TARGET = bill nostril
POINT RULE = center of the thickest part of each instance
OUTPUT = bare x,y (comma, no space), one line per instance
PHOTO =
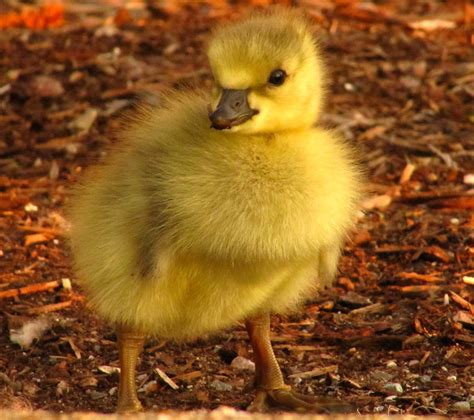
236,105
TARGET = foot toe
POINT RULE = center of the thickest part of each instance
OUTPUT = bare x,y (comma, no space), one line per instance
287,398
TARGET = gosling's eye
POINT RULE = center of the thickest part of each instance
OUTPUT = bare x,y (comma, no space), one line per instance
277,77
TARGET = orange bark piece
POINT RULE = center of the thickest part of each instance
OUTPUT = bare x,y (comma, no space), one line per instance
421,277
50,308
48,16
27,290
36,238
122,17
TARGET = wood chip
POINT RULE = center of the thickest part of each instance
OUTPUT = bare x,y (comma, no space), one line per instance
395,249
36,238
464,318
74,348
419,289
376,308
422,277
407,173
108,370
462,302
315,372
166,379
27,290
468,280
50,308
437,252
379,202
188,377
425,358
372,133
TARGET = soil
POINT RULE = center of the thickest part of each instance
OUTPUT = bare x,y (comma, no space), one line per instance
395,333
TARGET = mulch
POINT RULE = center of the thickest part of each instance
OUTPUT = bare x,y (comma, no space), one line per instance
395,333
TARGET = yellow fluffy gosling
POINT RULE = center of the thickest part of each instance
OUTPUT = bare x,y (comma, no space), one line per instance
221,208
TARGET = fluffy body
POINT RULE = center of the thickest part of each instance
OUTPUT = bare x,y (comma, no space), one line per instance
186,230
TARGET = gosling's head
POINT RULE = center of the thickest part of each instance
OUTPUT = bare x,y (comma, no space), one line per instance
268,74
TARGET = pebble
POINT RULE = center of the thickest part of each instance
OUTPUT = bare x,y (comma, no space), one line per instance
380,375
30,208
220,386
452,378
97,395
394,387
243,364
412,363
462,406
391,364
424,379
469,179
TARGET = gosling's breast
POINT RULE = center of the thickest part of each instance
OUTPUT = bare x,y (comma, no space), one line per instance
237,197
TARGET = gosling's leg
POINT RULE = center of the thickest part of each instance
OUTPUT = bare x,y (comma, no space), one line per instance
130,345
271,388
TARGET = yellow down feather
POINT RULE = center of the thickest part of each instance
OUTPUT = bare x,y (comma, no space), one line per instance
185,229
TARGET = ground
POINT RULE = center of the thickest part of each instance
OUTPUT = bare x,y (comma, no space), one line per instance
396,332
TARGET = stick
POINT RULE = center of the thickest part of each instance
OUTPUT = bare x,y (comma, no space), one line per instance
49,308
39,229
30,289
462,302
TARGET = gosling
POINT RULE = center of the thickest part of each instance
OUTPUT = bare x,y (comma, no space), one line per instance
221,207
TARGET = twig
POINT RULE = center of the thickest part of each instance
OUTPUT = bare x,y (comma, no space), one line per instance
375,308
39,229
30,289
443,156
49,308
315,372
395,249
422,197
418,288
462,302
422,277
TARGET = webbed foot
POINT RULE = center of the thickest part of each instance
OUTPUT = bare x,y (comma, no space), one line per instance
288,399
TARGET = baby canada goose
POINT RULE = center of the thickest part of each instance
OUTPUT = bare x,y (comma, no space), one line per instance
219,209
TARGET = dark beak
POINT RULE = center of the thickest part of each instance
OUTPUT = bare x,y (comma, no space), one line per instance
233,109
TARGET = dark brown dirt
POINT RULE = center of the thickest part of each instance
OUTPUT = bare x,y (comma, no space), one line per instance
401,311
